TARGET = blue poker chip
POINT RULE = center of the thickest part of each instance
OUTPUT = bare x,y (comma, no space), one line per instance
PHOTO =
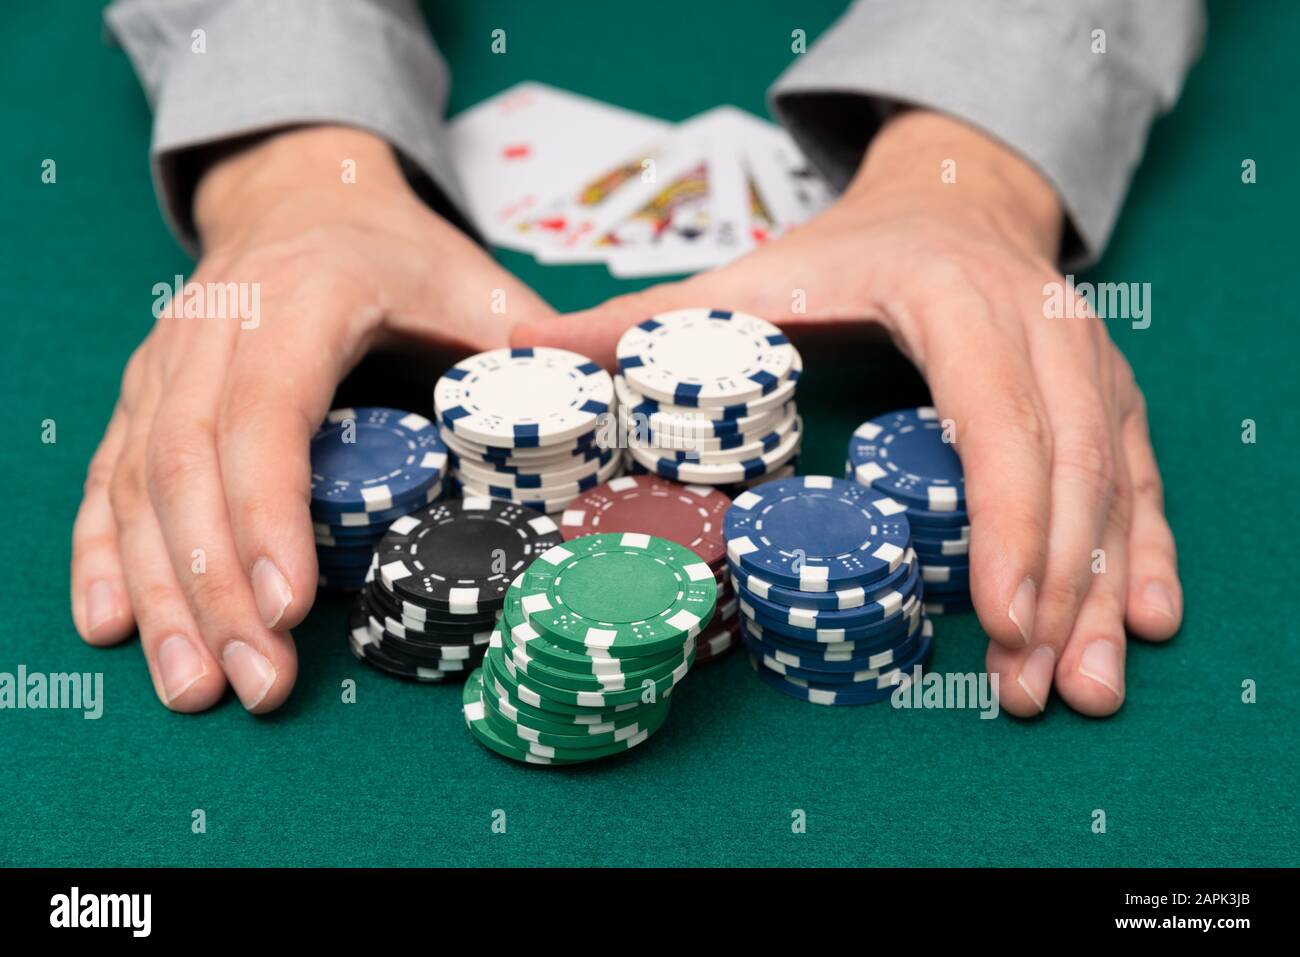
348,534
829,658
879,609
949,605
374,459
881,689
882,632
945,577
961,560
816,533
839,600
903,454
371,520
861,678
954,548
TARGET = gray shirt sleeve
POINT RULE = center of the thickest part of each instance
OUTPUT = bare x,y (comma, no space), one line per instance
1025,72
266,64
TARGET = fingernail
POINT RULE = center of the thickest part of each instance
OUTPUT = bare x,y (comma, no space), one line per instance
1021,611
1101,661
249,672
271,592
179,666
101,606
1036,675
1156,597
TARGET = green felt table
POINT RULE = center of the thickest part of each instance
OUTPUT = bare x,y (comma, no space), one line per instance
1186,773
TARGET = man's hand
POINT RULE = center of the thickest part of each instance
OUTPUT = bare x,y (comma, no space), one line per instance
1051,427
195,525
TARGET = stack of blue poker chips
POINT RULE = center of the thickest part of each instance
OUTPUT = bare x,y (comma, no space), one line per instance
830,591
370,466
908,456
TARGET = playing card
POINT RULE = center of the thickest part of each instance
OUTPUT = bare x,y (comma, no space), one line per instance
697,220
513,152
574,226
787,185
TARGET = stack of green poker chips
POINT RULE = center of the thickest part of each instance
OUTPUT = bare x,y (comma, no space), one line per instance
593,638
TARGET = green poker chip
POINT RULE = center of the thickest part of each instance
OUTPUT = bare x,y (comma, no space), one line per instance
555,658
618,595
475,711
585,699
604,732
570,746
520,643
529,691
496,681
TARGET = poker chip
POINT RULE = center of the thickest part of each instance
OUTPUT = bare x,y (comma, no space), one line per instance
832,659
829,590
707,397
816,533
520,479
520,398
374,459
841,599
881,607
370,466
721,473
649,415
593,638
432,594
459,556
690,515
722,448
869,691
881,632
619,595
708,358
545,499
529,426
903,455
779,396
371,521
366,648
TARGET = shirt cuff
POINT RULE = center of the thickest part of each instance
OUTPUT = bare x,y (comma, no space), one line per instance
268,64
1024,73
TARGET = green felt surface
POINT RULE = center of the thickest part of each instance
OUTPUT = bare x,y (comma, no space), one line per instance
1186,773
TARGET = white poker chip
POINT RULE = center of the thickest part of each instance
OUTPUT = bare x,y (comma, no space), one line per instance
705,358
523,398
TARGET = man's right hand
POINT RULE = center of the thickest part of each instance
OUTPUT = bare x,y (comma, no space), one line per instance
195,527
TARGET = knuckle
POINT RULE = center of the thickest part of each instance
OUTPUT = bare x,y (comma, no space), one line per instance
174,459
85,544
213,590
1065,591
1088,457
156,597
1147,487
126,487
98,474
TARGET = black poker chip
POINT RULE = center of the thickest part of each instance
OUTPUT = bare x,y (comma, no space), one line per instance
460,555
434,623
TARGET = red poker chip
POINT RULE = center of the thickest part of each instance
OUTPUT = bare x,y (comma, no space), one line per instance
690,515
717,643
